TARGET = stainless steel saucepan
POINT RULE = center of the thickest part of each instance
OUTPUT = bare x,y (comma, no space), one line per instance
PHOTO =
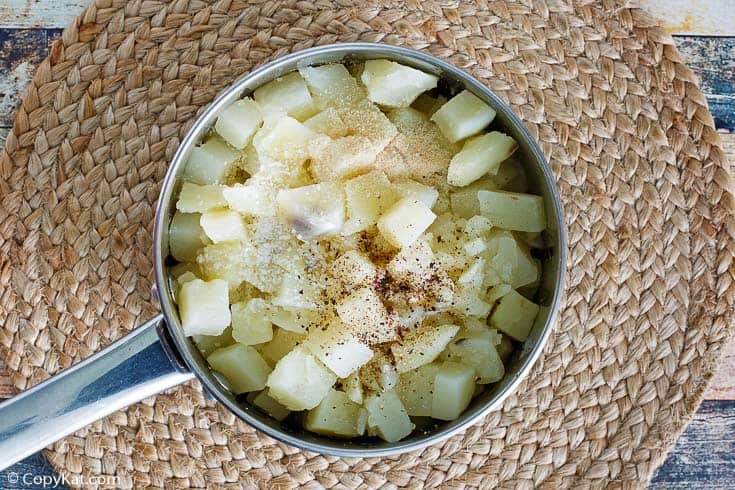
157,355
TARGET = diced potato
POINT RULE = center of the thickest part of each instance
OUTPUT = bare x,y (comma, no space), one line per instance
475,246
294,320
505,348
391,162
391,84
454,385
473,277
421,346
204,307
243,367
327,122
513,211
199,198
251,324
185,236
295,292
235,262
338,348
479,352
177,270
283,342
464,201
288,95
337,416
416,390
514,316
387,418
270,406
480,155
424,193
209,162
366,315
425,150
428,104
299,381
467,301
314,210
238,122
255,199
464,115
365,119
210,343
341,158
283,139
353,268
405,221
379,374
511,261
496,292
352,386
221,225
477,225
367,197
413,263
332,85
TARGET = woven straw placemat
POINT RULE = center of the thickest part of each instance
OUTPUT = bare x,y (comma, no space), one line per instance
639,166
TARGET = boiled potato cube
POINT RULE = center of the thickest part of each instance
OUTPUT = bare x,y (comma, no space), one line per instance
391,84
237,261
421,346
467,301
338,348
327,122
332,85
379,374
295,292
511,176
454,385
341,158
353,268
299,381
283,342
513,211
428,104
480,353
251,324
511,260
209,162
204,307
255,199
475,246
210,343
294,320
413,263
387,418
337,416
367,197
391,162
199,198
283,139
405,221
505,348
416,390
365,314
352,386
496,292
480,155
514,316
221,225
474,276
314,210
238,122
243,367
464,115
287,95
410,188
365,119
270,406
185,236
464,201
477,225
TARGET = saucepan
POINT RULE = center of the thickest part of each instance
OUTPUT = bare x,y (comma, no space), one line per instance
157,356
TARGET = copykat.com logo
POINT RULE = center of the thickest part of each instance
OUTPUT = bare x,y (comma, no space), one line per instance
20,480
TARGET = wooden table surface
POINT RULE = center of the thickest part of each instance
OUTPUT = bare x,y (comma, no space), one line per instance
704,30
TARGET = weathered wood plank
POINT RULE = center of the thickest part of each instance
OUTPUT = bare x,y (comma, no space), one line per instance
704,456
39,13
694,17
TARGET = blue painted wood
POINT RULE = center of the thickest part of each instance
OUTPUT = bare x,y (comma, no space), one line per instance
33,473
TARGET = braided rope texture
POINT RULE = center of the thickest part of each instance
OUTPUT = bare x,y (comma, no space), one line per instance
639,166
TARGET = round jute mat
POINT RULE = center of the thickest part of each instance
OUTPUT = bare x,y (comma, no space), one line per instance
620,118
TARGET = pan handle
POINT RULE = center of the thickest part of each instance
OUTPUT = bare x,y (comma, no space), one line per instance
135,367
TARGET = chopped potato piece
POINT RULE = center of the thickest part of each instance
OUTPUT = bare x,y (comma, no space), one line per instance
353,268
480,353
464,115
480,155
475,246
421,346
199,198
424,193
299,381
237,261
412,264
464,201
415,388
283,342
243,367
391,162
251,199
185,236
314,210
514,316
238,122
209,162
365,119
270,406
405,221
513,211
210,343
332,85
251,324
467,301
391,84
505,348
477,225
283,140
337,416
296,292
366,315
379,374
294,320
204,307
338,348
428,104
454,386
367,197
327,122
287,95
341,158
221,225
387,418
352,386
511,262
